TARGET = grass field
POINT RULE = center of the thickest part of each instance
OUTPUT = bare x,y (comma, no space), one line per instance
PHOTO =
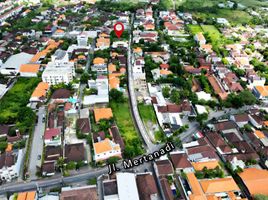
233,16
147,113
212,31
16,99
121,112
194,29
252,3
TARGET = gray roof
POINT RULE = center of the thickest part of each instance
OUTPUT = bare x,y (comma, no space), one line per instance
17,60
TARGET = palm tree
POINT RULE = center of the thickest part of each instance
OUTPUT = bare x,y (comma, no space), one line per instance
60,164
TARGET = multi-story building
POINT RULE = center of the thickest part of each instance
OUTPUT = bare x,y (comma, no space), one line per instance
10,164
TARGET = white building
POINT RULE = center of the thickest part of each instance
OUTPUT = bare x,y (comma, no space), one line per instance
201,109
10,165
127,186
82,40
222,21
102,96
58,72
237,163
120,44
10,13
203,95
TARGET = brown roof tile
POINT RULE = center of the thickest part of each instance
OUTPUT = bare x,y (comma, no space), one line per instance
75,152
164,167
146,186
84,193
180,160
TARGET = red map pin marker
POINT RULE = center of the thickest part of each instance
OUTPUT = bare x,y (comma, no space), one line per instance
118,29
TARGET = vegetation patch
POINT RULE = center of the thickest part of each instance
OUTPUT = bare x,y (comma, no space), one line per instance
147,113
121,112
13,105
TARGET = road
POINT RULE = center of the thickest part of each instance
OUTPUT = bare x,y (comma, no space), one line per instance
83,85
83,175
37,144
133,101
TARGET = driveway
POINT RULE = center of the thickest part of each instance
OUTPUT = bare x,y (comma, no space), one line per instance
37,144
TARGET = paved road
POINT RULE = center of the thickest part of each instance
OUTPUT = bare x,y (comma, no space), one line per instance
82,85
133,101
83,175
37,144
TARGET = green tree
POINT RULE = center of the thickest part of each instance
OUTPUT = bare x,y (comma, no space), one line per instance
112,160
71,165
160,136
202,118
3,146
84,77
116,95
166,92
175,96
60,164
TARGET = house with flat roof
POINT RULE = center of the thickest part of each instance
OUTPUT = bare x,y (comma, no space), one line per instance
102,96
127,186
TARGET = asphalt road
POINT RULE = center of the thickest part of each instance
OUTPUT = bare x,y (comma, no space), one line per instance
82,85
37,144
133,101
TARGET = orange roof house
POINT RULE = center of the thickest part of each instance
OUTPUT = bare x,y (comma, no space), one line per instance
114,83
98,61
219,185
102,113
200,37
59,31
256,180
259,134
211,164
40,91
103,42
106,149
165,72
208,189
52,44
9,147
262,91
197,192
29,68
103,146
27,195
22,196
111,68
137,50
